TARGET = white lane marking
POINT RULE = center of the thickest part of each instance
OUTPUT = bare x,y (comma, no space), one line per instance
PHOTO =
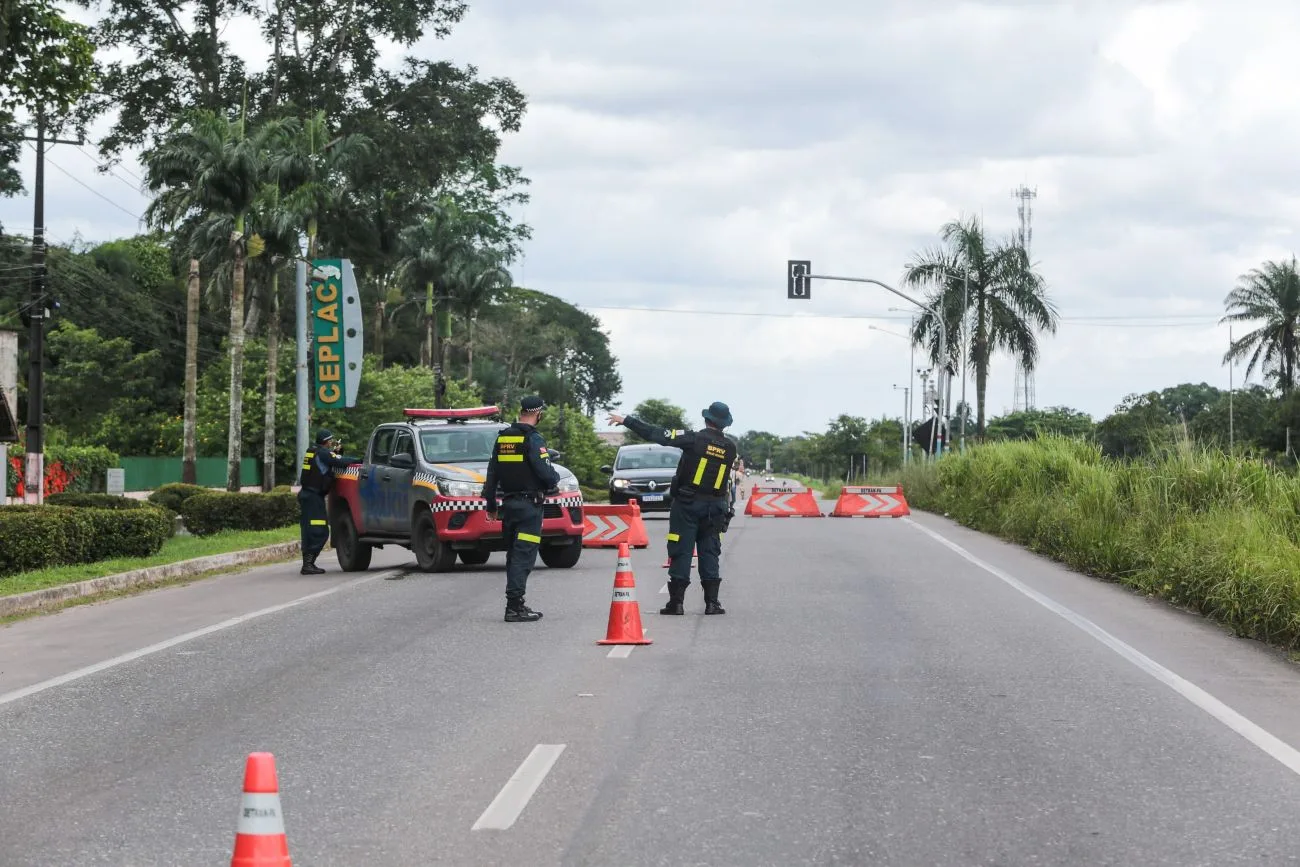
1269,743
519,789
623,651
62,679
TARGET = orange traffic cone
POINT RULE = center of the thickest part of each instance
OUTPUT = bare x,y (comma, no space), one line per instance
624,612
260,839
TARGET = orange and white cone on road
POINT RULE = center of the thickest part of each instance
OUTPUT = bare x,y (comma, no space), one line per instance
260,840
624,612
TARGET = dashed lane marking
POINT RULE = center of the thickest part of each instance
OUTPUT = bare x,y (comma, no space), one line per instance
519,789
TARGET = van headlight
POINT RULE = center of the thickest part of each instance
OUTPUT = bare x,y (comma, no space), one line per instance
569,485
620,483
450,488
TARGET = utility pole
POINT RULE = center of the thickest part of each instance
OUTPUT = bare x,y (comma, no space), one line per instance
35,469
907,420
1232,434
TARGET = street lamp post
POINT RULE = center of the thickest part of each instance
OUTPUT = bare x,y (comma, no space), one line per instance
907,420
932,309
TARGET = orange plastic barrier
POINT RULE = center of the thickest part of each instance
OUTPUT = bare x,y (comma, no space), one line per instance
624,611
260,840
773,502
610,526
864,502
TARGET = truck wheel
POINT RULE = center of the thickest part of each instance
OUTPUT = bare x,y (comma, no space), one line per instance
354,556
474,558
433,554
561,556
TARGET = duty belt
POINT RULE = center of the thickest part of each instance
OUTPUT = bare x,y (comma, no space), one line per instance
532,495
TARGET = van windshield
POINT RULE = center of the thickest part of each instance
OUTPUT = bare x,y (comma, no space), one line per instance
455,445
664,458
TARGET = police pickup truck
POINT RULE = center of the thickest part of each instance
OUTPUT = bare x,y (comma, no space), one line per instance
421,487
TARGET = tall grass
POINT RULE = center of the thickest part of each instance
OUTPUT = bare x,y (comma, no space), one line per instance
1202,529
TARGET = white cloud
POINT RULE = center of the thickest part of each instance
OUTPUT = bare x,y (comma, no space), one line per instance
681,153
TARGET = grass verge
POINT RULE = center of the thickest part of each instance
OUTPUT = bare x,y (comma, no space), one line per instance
174,550
1206,531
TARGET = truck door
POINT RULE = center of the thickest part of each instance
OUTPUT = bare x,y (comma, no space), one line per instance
396,485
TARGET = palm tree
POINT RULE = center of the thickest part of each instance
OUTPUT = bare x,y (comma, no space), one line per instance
208,172
432,251
478,280
1003,307
1269,294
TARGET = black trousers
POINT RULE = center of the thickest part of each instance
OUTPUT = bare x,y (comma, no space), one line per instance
315,524
521,524
695,526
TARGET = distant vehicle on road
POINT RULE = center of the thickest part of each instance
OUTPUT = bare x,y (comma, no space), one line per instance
643,473
421,487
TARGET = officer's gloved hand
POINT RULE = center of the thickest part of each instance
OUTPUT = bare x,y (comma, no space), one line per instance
492,507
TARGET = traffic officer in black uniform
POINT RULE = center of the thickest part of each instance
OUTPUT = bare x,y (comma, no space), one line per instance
702,508
521,468
316,479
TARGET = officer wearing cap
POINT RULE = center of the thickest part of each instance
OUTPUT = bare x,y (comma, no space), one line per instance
318,466
702,507
520,468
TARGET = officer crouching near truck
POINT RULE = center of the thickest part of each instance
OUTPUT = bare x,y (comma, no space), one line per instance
521,468
702,507
316,479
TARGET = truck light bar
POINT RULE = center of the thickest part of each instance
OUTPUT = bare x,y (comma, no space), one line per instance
471,412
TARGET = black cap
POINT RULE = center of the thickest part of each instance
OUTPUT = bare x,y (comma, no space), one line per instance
532,403
323,436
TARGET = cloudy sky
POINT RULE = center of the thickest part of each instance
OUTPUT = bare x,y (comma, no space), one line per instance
682,151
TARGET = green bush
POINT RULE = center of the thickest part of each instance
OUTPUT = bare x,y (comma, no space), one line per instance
215,511
95,501
1204,530
89,466
282,489
172,495
37,537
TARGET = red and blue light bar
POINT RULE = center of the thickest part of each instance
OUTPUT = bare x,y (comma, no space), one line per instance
453,414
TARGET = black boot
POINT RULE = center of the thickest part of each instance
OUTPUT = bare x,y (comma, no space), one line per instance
309,566
518,612
711,605
676,595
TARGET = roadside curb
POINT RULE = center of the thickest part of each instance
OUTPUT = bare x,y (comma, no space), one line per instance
48,597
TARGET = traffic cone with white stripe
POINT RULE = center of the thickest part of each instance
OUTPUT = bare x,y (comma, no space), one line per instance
624,612
260,840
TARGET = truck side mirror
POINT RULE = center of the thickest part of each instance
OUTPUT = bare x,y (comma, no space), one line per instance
607,469
402,461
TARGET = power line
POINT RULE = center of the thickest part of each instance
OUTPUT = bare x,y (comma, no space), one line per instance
1151,321
92,190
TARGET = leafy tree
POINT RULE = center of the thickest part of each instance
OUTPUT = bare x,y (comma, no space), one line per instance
1140,422
103,391
574,434
1269,295
1031,424
1004,307
208,173
660,413
46,65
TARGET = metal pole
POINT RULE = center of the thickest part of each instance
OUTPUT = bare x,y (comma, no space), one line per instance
965,343
300,324
35,476
1232,434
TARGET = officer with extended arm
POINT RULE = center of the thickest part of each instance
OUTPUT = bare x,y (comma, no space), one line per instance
316,479
701,510
520,471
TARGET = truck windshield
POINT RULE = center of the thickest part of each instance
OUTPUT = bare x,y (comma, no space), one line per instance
664,458
457,445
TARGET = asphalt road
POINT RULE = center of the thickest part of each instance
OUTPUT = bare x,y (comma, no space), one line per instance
874,695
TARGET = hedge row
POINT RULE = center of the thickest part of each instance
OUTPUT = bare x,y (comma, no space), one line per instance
214,511
1210,532
37,537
